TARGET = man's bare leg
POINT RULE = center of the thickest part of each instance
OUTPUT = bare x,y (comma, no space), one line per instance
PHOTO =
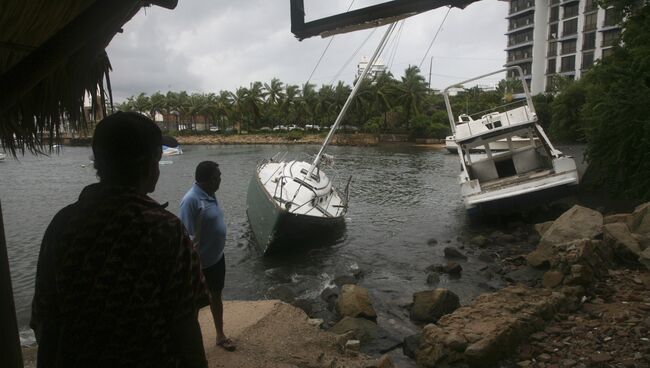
216,306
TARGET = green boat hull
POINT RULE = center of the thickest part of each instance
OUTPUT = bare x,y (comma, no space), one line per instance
276,230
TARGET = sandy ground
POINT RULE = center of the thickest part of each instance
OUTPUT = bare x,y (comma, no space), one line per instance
267,333
272,334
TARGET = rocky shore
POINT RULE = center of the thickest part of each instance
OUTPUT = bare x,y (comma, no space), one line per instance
339,139
576,294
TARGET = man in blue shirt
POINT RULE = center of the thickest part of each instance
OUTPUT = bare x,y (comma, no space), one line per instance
204,221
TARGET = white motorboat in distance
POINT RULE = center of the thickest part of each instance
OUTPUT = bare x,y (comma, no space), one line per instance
170,146
505,181
2,156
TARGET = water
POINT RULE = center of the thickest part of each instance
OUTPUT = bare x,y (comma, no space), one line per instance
401,197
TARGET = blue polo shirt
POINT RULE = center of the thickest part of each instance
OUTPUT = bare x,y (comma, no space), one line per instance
201,212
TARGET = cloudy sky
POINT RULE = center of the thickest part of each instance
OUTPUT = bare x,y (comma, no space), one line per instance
208,46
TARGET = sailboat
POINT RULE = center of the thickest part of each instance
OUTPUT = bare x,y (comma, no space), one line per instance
293,202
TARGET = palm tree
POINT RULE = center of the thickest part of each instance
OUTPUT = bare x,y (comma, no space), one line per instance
253,101
288,106
274,96
156,104
386,93
413,89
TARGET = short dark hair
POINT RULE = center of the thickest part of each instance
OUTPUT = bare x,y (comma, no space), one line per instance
204,171
123,145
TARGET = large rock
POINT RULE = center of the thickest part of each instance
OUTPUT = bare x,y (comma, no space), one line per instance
354,301
374,339
482,334
577,223
639,220
626,247
543,227
619,217
644,258
430,305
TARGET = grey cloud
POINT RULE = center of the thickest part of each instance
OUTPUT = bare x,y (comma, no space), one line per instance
213,45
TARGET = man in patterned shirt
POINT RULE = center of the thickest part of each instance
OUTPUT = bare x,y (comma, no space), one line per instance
118,283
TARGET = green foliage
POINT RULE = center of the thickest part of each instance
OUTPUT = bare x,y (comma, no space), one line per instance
435,126
295,135
374,125
566,120
542,103
617,113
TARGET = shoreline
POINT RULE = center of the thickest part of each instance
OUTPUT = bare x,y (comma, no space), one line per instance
357,139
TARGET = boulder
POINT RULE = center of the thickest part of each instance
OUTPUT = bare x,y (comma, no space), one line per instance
479,241
619,217
639,220
433,278
281,292
345,280
354,301
411,344
453,269
451,252
484,333
374,339
487,257
430,305
617,236
644,258
577,223
542,227
552,279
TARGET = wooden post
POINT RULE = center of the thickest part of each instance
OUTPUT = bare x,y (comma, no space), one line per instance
9,339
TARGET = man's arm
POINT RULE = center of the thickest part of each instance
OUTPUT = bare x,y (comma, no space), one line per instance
188,213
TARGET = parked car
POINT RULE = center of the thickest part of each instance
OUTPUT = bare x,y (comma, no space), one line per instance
279,128
294,127
348,128
215,129
265,129
312,127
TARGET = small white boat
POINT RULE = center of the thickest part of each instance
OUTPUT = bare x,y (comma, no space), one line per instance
171,151
2,156
526,170
170,146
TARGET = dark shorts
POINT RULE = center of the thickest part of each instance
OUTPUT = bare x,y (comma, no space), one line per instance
215,276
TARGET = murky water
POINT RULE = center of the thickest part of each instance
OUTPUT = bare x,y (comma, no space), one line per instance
401,198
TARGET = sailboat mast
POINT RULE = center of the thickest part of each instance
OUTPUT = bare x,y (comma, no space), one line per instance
339,118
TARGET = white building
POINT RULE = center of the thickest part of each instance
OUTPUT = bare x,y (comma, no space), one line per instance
547,37
377,68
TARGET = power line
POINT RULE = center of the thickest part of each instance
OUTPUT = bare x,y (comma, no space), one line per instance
324,51
351,57
434,37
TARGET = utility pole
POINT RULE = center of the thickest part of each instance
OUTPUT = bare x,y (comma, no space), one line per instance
430,67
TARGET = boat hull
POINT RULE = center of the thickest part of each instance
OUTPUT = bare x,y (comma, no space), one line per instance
276,230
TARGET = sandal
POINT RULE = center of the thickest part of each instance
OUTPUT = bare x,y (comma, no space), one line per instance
227,344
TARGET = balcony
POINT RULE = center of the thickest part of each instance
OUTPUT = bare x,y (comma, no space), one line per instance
519,61
520,12
519,45
520,28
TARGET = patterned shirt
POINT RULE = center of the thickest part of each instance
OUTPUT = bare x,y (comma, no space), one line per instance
115,272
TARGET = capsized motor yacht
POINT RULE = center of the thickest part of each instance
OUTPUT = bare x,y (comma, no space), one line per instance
503,181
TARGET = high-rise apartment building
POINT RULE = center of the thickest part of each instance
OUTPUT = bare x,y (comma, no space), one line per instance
547,37
378,67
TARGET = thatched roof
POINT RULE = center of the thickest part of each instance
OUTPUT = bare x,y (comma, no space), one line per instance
51,54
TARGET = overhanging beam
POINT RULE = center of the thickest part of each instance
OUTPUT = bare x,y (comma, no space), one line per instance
368,17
